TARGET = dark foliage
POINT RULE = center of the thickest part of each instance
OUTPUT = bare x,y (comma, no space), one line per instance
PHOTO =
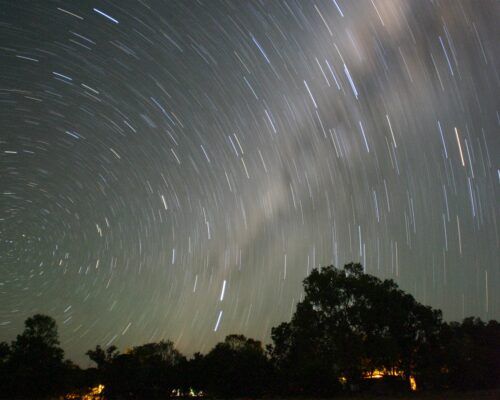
348,325
32,366
470,355
150,371
237,367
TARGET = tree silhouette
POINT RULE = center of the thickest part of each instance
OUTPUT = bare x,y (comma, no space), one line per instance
237,367
102,357
469,355
35,360
5,384
192,374
349,324
149,371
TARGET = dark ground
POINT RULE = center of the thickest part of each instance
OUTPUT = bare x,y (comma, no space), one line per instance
476,395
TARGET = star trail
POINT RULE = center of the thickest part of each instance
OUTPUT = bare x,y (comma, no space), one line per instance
174,169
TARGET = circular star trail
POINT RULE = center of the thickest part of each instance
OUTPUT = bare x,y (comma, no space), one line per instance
175,169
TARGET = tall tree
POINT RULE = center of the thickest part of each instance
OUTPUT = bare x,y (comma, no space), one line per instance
35,361
351,323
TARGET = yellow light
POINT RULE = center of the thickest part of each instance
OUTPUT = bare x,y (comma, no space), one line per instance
413,384
93,394
380,373
376,374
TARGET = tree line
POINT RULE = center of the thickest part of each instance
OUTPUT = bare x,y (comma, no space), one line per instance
350,327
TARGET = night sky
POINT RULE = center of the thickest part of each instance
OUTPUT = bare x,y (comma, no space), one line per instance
174,169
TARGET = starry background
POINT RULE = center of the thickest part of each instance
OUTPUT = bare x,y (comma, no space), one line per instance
174,169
